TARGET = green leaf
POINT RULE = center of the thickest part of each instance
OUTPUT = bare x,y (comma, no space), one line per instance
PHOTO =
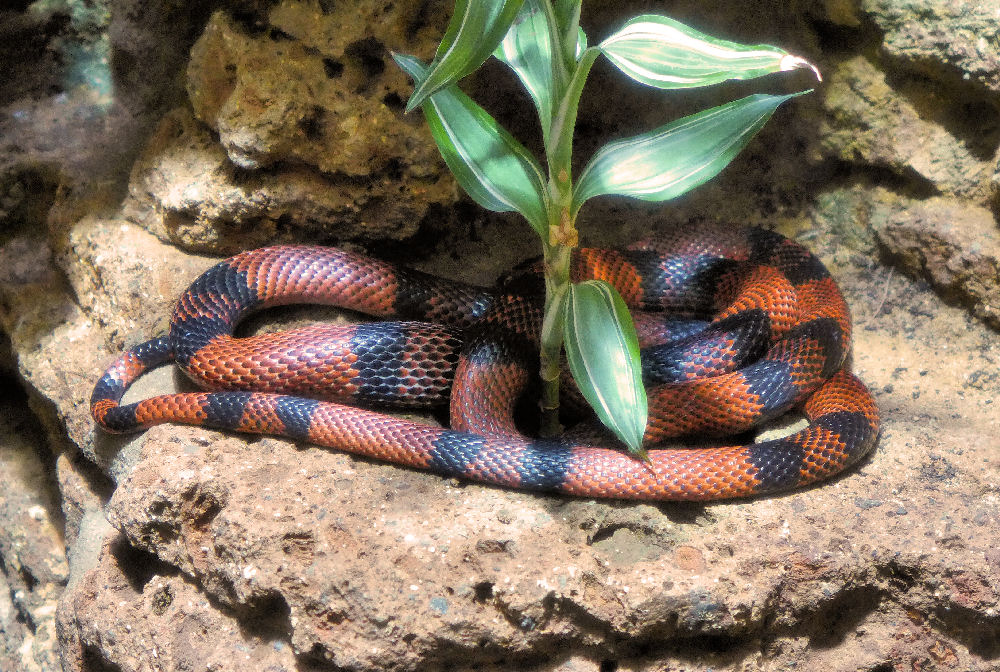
560,152
475,30
574,40
675,158
664,53
527,49
603,354
493,168
567,13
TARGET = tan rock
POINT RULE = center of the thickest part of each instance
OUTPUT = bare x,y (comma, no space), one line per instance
186,191
142,615
869,122
943,39
243,554
381,566
954,245
313,138
32,555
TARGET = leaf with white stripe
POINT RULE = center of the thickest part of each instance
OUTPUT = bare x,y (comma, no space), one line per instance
661,52
475,30
675,158
493,168
527,50
602,351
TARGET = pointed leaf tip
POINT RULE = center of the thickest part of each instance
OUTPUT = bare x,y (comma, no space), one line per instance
793,62
603,355
490,164
677,157
475,30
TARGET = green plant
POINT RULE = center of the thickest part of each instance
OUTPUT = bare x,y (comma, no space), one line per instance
543,44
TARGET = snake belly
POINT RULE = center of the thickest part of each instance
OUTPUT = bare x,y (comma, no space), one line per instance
756,327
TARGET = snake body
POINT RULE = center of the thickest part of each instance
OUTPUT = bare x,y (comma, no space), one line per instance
759,328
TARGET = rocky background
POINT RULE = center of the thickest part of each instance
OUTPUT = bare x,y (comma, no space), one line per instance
142,140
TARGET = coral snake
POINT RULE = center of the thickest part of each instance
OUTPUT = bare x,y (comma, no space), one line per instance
756,327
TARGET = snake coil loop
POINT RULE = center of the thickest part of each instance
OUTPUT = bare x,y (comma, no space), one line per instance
776,337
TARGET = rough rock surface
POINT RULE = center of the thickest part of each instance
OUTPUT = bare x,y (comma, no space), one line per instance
32,553
954,245
951,39
305,92
911,121
178,626
370,566
183,548
880,126
186,191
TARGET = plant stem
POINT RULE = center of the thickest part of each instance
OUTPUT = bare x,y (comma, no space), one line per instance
562,234
558,253
557,266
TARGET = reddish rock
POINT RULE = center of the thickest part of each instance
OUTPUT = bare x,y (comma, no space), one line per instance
142,619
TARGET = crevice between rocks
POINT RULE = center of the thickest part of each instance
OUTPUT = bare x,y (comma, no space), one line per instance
93,661
861,599
972,110
979,635
139,566
842,41
866,596
951,293
906,183
267,617
18,417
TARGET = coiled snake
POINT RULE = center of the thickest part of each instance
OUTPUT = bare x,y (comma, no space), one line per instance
777,339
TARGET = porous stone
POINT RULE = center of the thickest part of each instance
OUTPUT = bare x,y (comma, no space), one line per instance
286,124
369,566
127,279
868,122
323,112
142,615
941,37
299,91
32,555
185,190
40,318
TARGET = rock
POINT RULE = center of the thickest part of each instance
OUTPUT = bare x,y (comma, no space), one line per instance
300,92
368,566
957,40
128,280
186,191
955,246
32,555
325,111
150,43
83,491
152,621
38,315
869,122
284,123
952,244
839,12
14,629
